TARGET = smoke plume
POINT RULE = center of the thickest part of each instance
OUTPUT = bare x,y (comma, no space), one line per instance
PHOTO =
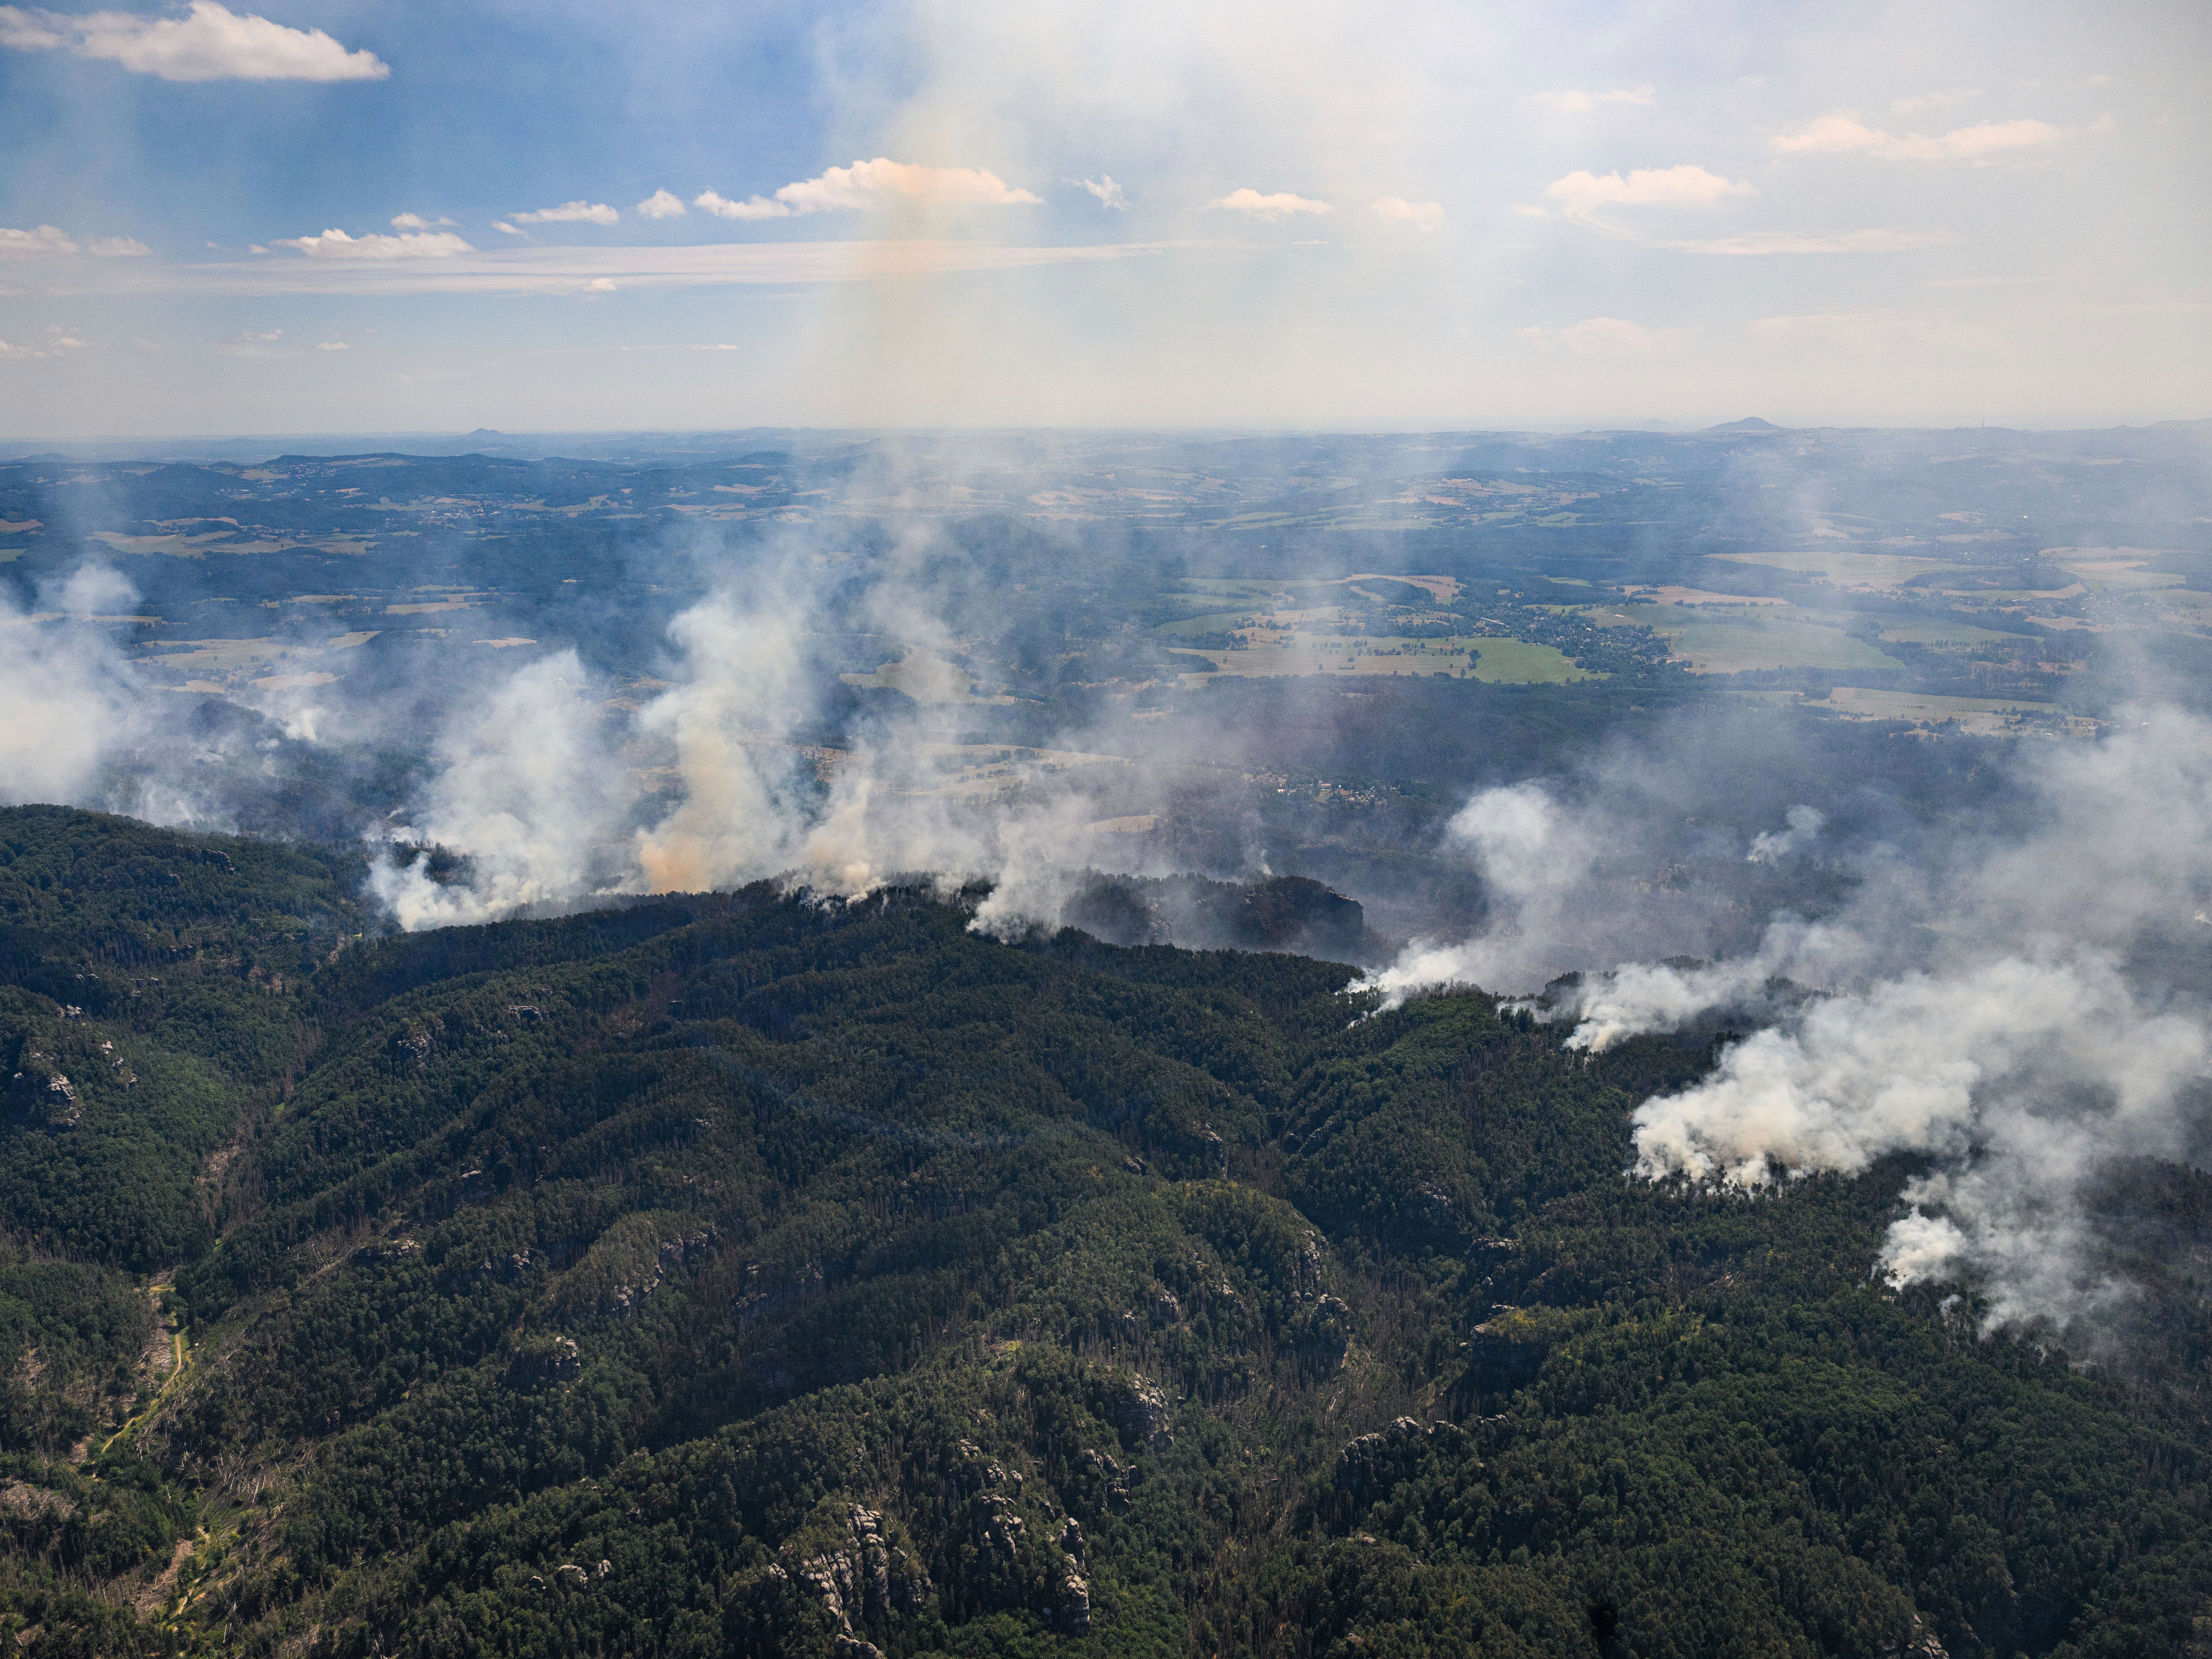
2021,1007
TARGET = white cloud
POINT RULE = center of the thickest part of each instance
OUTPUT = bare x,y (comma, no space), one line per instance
1109,193
878,183
1580,103
570,213
501,225
52,239
1278,205
1422,216
332,345
417,221
46,239
1580,195
1843,134
713,202
410,244
661,205
1604,336
209,42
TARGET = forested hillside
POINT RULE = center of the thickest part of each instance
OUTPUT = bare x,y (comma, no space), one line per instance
736,1274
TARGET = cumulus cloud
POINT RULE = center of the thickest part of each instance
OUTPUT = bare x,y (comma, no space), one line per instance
1580,103
408,244
1110,194
570,213
208,42
661,205
1422,216
417,221
1844,134
42,240
51,239
876,185
1582,195
1602,337
1273,207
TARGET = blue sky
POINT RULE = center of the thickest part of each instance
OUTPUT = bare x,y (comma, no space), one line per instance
900,214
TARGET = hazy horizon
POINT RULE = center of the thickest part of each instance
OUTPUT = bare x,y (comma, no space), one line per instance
891,213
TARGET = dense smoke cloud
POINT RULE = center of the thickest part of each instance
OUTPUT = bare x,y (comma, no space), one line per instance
553,793
65,687
2023,1008
528,789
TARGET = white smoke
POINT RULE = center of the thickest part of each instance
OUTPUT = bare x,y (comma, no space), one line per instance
66,688
541,785
1533,855
1772,846
1999,1005
529,790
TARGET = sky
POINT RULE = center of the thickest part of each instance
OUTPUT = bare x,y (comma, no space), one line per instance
332,215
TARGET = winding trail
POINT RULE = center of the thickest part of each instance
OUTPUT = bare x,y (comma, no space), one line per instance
180,1359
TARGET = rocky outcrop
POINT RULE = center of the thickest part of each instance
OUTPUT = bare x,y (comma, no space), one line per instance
1111,1475
1326,1334
40,1096
862,1577
555,1360
1140,1412
1368,1467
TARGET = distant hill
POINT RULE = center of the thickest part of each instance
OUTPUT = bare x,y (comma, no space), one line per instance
1748,424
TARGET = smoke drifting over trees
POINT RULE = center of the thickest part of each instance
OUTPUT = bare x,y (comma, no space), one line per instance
2022,1005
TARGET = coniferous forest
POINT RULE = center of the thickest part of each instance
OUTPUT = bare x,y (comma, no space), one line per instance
744,1274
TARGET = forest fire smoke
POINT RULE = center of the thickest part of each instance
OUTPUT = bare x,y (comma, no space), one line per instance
2022,1009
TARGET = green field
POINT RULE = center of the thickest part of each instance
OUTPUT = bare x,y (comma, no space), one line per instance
1730,645
1518,662
1209,622
1945,634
